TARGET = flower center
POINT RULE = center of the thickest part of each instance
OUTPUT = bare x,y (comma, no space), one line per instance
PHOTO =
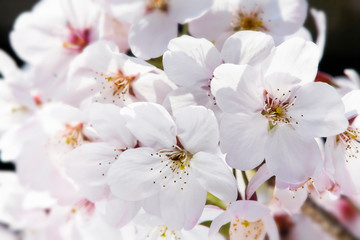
114,87
74,135
175,166
350,140
276,108
161,5
121,83
77,40
164,232
251,20
243,229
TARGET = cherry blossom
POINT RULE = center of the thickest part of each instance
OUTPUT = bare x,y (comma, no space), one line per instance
178,161
273,109
156,20
248,220
117,78
276,17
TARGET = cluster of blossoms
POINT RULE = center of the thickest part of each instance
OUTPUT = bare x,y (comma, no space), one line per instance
144,119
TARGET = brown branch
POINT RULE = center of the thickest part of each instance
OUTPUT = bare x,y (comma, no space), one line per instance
327,221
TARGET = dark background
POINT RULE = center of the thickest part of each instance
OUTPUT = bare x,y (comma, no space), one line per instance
342,46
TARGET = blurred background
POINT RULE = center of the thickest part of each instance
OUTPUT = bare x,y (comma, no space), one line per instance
342,46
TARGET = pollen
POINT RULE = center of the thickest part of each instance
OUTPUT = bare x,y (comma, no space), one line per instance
161,5
246,230
248,20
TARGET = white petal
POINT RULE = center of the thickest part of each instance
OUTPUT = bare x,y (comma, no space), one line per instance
215,176
184,97
247,47
110,125
243,138
218,222
290,157
150,36
351,102
285,17
183,11
320,22
123,176
151,124
190,61
213,23
182,208
271,228
318,111
152,87
119,212
89,163
297,57
289,200
197,129
248,210
7,65
237,88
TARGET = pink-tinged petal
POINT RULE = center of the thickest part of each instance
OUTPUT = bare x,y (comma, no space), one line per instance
247,47
181,206
123,176
243,139
248,210
353,76
295,56
150,36
110,125
291,200
261,176
290,157
215,176
336,157
271,228
318,111
238,88
213,23
320,22
119,212
190,62
151,124
218,222
115,31
197,129
183,11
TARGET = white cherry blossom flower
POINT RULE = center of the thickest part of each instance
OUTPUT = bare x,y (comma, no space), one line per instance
117,78
190,63
154,22
276,114
276,17
179,162
248,220
343,149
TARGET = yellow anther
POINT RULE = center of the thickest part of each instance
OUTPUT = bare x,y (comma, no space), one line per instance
278,110
245,223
